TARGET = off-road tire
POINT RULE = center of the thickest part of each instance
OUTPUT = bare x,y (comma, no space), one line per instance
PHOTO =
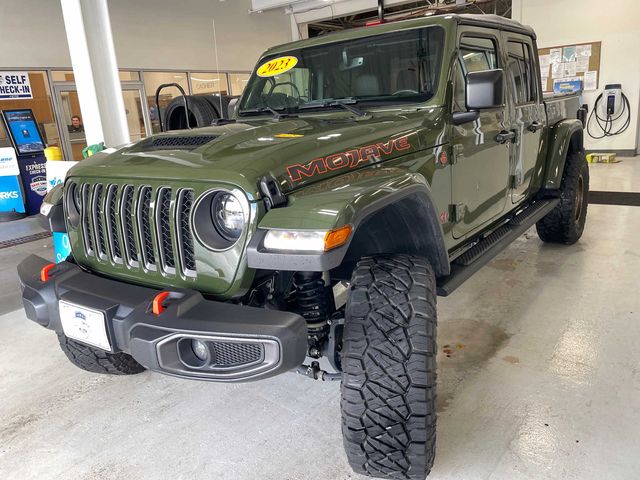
565,223
201,113
98,361
389,368
218,101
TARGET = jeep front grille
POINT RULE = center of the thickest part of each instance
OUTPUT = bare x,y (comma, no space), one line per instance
138,226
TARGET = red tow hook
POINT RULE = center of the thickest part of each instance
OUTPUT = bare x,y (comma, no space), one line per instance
44,273
156,306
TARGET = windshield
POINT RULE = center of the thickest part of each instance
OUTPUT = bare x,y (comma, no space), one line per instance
392,68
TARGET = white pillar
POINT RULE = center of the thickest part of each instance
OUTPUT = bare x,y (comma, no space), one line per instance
295,33
96,71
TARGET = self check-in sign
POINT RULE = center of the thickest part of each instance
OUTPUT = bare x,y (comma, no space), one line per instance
15,85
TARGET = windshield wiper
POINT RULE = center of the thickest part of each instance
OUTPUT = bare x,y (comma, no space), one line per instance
276,115
335,103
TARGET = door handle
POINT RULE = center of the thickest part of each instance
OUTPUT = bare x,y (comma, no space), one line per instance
505,136
534,127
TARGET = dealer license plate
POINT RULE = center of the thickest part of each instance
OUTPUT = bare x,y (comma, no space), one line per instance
84,324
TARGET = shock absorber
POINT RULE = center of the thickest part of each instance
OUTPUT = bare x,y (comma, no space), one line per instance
313,300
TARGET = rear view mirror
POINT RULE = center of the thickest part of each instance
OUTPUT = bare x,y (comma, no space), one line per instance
485,89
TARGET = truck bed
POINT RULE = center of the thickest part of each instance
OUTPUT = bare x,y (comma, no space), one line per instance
559,106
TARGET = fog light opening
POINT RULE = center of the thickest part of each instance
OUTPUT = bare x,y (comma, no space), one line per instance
194,352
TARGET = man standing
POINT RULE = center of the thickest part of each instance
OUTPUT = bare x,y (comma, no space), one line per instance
76,125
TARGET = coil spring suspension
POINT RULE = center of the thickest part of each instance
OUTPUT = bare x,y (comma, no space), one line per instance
313,300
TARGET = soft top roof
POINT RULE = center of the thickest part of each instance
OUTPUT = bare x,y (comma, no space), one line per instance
490,21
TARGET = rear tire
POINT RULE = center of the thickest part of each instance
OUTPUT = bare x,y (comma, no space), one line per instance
98,361
565,223
389,368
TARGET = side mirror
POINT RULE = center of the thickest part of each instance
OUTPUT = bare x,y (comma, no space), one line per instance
485,89
231,109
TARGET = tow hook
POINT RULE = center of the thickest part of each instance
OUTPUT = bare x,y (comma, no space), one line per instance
313,371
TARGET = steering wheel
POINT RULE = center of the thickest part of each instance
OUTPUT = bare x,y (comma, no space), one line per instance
297,91
406,92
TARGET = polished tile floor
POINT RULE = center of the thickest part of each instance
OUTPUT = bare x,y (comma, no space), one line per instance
541,380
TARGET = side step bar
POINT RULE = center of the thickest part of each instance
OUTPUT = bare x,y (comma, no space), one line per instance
482,252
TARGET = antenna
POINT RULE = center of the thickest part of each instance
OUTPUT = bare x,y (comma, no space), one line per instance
215,50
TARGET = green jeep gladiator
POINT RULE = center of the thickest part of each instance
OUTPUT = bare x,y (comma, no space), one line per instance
361,174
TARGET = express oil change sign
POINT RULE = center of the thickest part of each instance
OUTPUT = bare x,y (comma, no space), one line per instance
15,85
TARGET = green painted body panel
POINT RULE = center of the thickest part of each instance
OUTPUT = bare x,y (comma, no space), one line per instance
54,195
401,146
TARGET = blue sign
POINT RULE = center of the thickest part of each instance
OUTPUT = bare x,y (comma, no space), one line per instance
567,86
10,195
61,246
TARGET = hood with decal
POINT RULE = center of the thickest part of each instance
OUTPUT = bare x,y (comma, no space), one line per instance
297,151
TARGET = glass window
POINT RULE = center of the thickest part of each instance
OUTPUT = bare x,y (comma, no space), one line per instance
238,81
207,83
129,76
72,118
67,76
392,68
135,114
459,90
520,69
42,110
62,76
151,82
478,54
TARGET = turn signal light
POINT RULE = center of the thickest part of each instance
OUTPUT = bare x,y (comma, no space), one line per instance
336,238
44,273
156,306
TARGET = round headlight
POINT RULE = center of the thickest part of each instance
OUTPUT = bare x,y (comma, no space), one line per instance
227,216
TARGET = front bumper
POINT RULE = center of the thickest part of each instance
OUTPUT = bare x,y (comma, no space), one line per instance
253,343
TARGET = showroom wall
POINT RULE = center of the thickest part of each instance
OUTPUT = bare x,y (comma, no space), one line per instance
157,34
615,24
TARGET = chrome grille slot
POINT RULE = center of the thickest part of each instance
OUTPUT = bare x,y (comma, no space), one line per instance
163,229
127,216
184,233
111,210
137,226
144,228
97,211
87,229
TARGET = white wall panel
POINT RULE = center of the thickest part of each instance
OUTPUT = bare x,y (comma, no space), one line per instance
158,34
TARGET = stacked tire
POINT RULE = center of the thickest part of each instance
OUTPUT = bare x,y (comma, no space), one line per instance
202,110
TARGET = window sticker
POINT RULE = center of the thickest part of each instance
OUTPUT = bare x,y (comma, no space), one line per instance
277,66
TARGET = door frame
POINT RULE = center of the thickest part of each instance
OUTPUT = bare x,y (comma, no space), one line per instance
59,87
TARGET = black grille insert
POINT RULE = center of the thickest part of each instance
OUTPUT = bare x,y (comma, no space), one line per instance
163,212
127,215
112,224
87,230
146,240
229,354
176,142
185,235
